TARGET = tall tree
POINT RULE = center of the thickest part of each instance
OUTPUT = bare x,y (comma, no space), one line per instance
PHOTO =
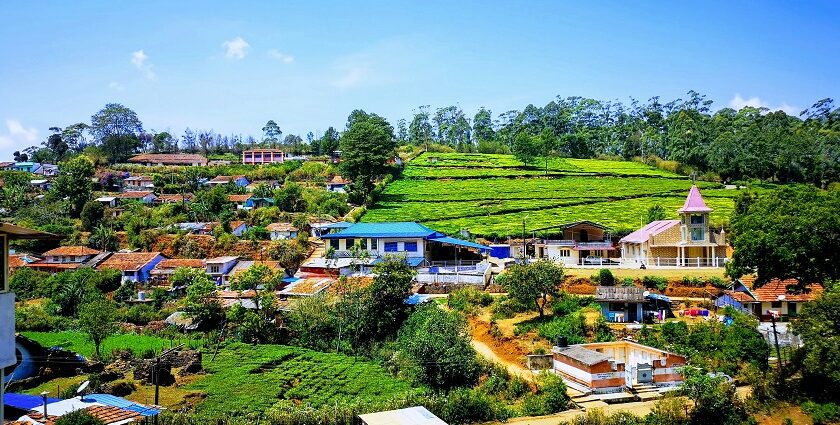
74,183
366,147
56,145
116,128
483,126
533,283
792,232
96,319
271,133
328,143
420,131
525,148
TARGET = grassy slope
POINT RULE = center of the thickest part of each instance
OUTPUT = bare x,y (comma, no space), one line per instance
78,342
246,378
491,194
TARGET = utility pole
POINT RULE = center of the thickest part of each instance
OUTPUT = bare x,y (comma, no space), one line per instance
156,373
776,340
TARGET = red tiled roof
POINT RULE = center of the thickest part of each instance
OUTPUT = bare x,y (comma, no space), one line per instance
339,180
128,261
54,266
771,291
170,158
235,224
239,198
135,195
174,197
71,250
281,227
174,263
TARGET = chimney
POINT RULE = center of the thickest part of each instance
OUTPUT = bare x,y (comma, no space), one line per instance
562,341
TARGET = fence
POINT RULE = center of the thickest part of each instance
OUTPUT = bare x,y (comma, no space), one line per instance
474,275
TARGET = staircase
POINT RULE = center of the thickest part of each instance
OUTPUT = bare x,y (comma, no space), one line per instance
645,392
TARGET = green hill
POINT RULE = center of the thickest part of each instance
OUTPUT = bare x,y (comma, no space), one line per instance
489,195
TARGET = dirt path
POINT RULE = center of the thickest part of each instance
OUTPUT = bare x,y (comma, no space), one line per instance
491,355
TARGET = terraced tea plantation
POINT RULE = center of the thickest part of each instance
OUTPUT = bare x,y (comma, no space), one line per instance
489,195
252,378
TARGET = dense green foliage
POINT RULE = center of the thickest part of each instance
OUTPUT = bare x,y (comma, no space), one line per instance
714,345
78,417
80,343
793,232
96,320
253,379
436,344
818,324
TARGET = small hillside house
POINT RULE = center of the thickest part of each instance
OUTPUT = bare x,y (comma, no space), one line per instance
337,184
174,198
218,268
145,196
164,269
785,297
108,201
138,183
282,231
135,266
64,258
687,242
241,201
605,367
263,156
578,243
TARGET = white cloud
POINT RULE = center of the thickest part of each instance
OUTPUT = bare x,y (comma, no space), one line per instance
739,102
113,85
139,58
236,48
352,76
17,137
276,54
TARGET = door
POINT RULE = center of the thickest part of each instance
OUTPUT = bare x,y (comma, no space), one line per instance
632,315
644,373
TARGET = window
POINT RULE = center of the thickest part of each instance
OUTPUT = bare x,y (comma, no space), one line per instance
391,247
618,306
791,309
411,246
348,243
214,269
363,243
697,234
697,219
334,244
776,304
373,243
565,253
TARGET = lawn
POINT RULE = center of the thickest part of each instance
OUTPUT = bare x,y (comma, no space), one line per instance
245,378
78,342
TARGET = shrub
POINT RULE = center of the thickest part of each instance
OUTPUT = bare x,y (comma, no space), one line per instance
140,314
469,300
606,278
655,282
822,413
504,307
34,317
628,281
78,417
717,282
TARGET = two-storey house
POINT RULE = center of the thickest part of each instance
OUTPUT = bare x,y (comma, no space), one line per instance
687,242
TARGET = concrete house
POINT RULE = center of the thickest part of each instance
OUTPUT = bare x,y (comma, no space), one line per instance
164,269
605,367
240,201
135,266
785,297
263,156
160,159
577,243
282,231
65,258
220,267
687,242
138,183
338,184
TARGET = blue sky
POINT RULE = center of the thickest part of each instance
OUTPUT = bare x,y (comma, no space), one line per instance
231,66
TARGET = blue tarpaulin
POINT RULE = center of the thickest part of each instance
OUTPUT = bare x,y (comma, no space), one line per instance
114,401
26,401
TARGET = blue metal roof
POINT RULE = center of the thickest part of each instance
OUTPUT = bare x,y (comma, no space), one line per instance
26,401
415,299
659,297
339,225
460,242
114,401
398,229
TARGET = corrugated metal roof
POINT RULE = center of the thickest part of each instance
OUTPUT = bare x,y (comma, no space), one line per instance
460,242
417,415
26,401
652,228
396,229
581,354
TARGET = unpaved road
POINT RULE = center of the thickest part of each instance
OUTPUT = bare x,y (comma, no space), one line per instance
489,354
